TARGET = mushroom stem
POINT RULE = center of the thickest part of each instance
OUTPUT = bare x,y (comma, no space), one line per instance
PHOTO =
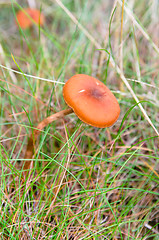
33,137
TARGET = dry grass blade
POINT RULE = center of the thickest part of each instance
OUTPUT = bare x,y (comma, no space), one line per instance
121,38
131,16
117,68
30,76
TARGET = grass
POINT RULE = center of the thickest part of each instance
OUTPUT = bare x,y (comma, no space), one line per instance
84,182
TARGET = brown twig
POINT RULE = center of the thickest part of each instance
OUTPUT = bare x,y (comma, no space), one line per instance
33,137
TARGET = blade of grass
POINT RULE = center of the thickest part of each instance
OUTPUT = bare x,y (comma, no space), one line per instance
117,68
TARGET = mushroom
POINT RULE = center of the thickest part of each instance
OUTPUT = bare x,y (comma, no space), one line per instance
91,101
25,17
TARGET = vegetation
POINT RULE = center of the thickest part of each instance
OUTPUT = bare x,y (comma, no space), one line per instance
83,182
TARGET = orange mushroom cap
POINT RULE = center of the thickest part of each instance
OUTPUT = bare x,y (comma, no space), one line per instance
25,21
91,100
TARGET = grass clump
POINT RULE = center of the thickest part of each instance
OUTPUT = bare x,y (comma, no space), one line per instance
84,182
